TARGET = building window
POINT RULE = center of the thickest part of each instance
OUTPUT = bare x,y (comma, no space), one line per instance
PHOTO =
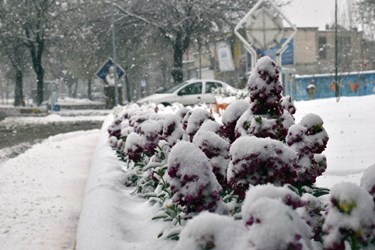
344,43
322,47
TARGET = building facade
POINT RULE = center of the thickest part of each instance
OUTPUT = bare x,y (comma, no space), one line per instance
313,52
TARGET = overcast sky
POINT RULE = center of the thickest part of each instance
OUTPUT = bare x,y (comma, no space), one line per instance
310,13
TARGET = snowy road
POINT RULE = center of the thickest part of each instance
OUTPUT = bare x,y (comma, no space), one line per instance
41,192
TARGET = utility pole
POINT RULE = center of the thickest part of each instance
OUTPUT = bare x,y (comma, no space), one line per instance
337,91
200,56
114,57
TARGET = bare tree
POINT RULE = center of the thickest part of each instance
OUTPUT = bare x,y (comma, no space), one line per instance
84,50
365,12
13,48
35,24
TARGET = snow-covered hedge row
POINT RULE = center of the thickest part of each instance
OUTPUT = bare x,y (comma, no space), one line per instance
255,169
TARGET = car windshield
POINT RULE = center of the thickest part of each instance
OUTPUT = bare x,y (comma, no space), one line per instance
174,88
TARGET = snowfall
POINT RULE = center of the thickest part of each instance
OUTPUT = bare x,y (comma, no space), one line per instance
67,191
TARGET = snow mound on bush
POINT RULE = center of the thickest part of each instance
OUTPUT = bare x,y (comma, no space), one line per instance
212,231
273,225
350,216
191,178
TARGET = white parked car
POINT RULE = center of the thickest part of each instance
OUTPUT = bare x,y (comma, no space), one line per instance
188,93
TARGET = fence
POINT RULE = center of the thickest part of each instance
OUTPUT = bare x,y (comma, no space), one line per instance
307,87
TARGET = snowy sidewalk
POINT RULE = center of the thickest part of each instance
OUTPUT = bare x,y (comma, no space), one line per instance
41,192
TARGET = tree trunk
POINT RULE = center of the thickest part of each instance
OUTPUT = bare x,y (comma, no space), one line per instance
178,52
89,83
36,47
40,82
127,86
75,89
18,90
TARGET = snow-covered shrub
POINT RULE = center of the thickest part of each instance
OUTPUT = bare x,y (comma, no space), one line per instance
187,162
283,194
138,117
185,118
266,101
182,112
273,225
259,161
287,120
149,131
309,165
287,103
133,153
213,126
271,116
315,132
126,129
349,218
113,141
134,147
265,88
196,119
191,179
312,213
151,179
231,116
243,124
264,127
213,231
172,130
368,180
115,128
216,149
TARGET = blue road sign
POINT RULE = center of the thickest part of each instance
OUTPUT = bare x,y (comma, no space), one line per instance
104,70
287,58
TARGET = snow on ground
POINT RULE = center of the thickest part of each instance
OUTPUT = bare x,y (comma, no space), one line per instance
41,189
76,101
41,192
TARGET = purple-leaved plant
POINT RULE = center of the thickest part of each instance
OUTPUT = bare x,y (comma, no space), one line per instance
309,165
266,103
172,130
260,161
186,161
150,131
230,117
216,149
191,179
195,120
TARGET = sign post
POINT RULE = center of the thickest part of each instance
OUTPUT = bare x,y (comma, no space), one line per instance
106,72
